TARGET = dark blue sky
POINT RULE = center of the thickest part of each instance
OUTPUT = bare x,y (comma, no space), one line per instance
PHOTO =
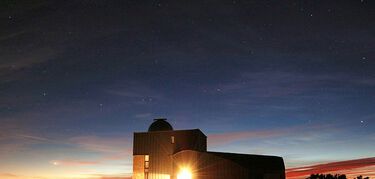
281,78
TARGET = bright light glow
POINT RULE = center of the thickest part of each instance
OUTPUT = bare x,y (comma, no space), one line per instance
185,174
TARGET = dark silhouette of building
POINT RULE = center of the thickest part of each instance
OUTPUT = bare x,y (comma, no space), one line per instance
164,153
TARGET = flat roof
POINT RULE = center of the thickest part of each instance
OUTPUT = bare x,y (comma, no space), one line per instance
171,131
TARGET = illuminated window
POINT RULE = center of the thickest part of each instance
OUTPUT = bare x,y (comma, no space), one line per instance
172,139
147,163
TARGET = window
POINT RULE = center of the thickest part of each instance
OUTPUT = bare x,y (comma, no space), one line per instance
147,164
172,139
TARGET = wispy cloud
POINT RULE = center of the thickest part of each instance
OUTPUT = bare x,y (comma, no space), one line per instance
229,137
19,176
13,142
144,115
216,139
73,163
23,136
115,177
7,175
333,167
135,90
102,144
270,84
137,93
14,176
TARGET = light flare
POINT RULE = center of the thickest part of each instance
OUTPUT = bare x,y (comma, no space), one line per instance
185,174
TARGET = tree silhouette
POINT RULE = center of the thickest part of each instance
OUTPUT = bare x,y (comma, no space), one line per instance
360,177
330,176
326,176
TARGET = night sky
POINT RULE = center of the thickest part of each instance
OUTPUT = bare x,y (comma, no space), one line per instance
289,78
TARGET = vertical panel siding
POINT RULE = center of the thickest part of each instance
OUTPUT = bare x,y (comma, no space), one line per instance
159,147
138,166
208,166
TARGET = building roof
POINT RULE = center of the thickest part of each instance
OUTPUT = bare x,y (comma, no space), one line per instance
160,125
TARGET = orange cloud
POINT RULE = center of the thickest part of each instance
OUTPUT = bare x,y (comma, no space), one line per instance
342,167
12,176
7,175
72,163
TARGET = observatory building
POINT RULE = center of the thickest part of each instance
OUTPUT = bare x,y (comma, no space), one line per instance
164,153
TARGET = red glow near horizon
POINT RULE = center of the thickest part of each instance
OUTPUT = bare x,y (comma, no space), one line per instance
343,167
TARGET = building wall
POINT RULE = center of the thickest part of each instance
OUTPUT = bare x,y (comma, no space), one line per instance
188,150
204,165
189,140
138,166
158,145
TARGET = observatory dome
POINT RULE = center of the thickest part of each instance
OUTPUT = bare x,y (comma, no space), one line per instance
160,125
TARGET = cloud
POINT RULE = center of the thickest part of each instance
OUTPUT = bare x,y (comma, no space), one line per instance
102,144
7,175
229,137
273,84
134,90
126,93
110,149
19,176
145,115
137,93
27,59
13,176
216,139
73,163
333,167
119,155
23,136
11,142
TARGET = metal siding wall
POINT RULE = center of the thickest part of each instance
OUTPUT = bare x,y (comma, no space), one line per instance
165,165
206,166
138,166
190,140
160,149
158,146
